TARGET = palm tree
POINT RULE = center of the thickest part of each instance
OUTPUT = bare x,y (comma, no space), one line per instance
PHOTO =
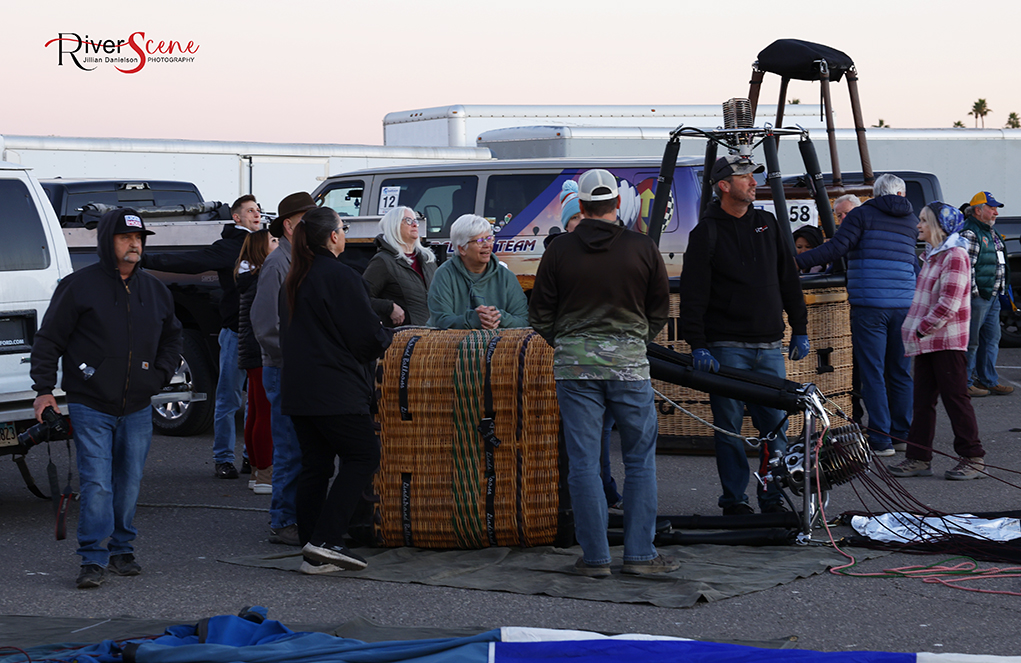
958,125
1013,121
881,125
980,109
794,102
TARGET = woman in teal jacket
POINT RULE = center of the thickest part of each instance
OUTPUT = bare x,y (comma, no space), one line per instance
471,290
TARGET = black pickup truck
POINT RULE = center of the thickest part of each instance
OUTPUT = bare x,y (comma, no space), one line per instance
181,220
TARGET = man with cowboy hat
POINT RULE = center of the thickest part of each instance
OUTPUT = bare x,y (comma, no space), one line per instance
266,325
221,256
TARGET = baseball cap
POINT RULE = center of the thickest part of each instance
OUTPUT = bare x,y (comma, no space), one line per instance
127,221
597,184
734,164
985,198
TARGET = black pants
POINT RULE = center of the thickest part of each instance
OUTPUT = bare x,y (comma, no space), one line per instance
325,511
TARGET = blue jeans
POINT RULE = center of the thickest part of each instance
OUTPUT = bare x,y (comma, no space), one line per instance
984,341
229,398
283,509
582,404
886,384
728,414
605,471
110,452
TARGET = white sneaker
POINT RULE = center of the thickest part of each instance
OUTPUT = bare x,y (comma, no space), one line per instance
263,489
251,484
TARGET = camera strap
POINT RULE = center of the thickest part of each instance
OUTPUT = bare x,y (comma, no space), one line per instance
61,502
61,498
27,476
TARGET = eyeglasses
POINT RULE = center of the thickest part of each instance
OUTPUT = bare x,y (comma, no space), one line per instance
409,221
344,226
482,241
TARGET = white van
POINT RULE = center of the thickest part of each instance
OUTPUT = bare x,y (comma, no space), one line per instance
520,197
33,260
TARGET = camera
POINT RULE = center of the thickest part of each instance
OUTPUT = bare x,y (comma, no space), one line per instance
53,427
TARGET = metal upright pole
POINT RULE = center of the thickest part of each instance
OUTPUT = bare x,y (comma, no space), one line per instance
754,86
859,126
810,461
831,132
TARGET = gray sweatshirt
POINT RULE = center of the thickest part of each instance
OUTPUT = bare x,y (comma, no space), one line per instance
265,313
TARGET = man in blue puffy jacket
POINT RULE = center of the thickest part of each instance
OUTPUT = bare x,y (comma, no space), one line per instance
878,239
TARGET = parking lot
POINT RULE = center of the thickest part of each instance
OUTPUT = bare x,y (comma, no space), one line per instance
188,521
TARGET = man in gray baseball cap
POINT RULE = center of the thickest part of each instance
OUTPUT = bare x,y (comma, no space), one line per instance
739,277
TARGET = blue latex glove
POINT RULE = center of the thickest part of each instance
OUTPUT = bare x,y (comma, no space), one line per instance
704,361
799,347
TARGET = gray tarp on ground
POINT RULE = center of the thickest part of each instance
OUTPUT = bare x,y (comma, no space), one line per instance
707,572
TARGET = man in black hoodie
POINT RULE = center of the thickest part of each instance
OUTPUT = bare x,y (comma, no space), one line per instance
739,277
221,256
114,330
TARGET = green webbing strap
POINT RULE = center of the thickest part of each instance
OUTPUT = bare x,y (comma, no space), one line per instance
468,526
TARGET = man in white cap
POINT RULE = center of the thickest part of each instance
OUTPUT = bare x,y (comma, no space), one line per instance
739,277
598,327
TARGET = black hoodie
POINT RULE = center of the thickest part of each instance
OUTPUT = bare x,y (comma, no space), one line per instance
737,282
125,331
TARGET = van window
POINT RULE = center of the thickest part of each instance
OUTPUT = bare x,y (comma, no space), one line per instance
508,195
345,197
439,199
25,245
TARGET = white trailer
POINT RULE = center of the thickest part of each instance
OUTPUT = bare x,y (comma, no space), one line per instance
965,160
460,125
221,170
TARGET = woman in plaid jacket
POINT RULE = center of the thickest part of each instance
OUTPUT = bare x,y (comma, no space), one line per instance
935,333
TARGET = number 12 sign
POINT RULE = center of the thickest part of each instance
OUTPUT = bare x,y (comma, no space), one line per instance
389,196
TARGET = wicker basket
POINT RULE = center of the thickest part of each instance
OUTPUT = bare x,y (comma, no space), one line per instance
828,367
440,483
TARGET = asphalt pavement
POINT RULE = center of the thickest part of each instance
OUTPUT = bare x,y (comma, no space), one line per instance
189,520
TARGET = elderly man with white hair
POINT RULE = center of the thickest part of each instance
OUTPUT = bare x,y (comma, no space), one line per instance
878,239
471,290
843,205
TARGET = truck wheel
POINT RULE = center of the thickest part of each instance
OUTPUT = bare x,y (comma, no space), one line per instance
183,418
1010,329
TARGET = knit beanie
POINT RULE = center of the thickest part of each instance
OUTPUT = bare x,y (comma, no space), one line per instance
569,205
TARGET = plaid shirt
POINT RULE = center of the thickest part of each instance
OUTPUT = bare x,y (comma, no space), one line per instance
941,308
974,247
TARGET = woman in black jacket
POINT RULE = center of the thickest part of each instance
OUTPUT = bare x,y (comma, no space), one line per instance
258,433
330,340
402,269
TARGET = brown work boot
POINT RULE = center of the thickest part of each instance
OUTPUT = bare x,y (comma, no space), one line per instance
976,391
996,389
968,468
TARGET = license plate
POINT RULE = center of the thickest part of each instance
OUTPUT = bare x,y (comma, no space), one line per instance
8,435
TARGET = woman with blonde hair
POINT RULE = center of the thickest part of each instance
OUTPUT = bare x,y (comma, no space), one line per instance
400,273
935,333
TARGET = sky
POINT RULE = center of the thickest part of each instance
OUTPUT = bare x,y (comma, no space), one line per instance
328,72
